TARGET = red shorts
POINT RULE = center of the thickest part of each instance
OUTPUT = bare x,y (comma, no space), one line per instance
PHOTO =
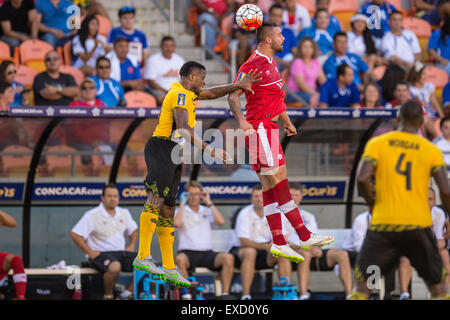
265,147
2,258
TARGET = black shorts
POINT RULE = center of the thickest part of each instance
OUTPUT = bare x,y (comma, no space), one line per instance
201,259
104,259
163,175
261,259
352,256
384,249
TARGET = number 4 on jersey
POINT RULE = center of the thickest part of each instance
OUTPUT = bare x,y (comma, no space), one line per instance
406,172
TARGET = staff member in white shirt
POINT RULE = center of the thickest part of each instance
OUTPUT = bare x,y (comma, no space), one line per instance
193,222
100,235
162,68
400,46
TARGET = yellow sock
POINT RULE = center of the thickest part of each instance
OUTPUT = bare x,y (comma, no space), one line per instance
148,220
165,230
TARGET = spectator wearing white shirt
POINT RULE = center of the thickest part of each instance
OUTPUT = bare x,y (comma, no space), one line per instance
100,235
295,17
443,142
316,259
400,46
438,216
253,240
193,222
162,69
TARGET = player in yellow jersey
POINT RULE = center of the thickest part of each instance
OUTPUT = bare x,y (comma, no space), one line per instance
175,125
403,164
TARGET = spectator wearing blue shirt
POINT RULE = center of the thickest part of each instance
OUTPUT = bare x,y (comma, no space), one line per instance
340,56
334,26
320,34
432,11
446,96
439,46
139,48
8,74
285,57
109,90
340,92
54,17
378,23
124,68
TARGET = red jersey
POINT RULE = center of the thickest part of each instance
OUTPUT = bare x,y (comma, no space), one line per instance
268,99
81,103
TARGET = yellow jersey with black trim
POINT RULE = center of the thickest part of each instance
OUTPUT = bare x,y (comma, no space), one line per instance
404,165
177,97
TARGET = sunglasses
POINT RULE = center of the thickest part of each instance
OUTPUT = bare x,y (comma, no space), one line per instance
103,67
127,10
52,59
11,72
88,88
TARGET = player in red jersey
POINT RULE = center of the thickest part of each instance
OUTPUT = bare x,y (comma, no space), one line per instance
264,107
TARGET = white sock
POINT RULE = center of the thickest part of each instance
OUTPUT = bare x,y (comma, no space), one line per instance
225,293
246,297
125,293
305,296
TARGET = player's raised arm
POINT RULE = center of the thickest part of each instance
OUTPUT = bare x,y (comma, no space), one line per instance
440,176
236,108
220,91
6,220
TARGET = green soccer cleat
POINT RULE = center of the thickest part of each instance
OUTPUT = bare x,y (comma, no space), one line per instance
175,277
316,240
285,251
148,265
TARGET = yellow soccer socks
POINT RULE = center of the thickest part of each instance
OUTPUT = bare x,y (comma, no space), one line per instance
148,221
165,230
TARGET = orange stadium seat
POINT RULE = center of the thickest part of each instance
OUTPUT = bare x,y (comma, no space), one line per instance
100,168
4,52
104,25
344,11
309,5
67,53
222,43
61,165
437,76
77,74
137,98
422,29
25,75
32,54
16,165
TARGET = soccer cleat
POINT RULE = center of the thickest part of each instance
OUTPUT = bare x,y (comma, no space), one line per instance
356,295
284,251
148,265
175,277
316,239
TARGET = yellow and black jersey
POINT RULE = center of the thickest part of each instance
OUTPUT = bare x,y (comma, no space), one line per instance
404,164
177,97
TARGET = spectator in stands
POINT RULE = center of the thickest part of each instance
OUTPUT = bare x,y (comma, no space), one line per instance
439,46
18,22
285,57
54,17
138,46
8,74
371,96
110,91
340,92
320,34
52,87
251,248
246,39
10,261
124,68
212,12
89,7
400,46
446,97
405,270
100,235
192,220
401,95
88,45
443,142
6,96
360,41
334,25
295,17
424,91
340,56
378,18
88,95
432,11
306,72
316,259
162,69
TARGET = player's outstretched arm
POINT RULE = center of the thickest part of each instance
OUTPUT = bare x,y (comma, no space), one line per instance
6,220
220,91
236,108
440,176
289,128
365,184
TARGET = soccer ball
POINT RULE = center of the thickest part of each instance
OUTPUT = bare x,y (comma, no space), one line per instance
249,17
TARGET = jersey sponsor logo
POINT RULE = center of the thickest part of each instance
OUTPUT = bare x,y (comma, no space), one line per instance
181,100
241,76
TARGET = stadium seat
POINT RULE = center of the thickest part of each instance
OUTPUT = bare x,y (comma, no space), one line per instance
61,165
25,75
100,168
137,98
67,53
422,29
4,52
222,43
379,72
104,25
437,76
77,74
192,16
16,165
308,4
344,10
32,54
